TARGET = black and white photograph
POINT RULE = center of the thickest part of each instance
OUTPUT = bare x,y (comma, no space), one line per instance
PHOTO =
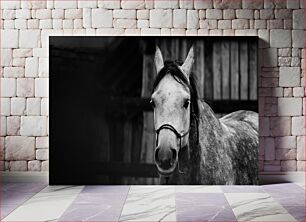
153,110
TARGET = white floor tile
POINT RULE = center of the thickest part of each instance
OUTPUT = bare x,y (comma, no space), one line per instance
301,184
198,189
150,203
257,207
47,205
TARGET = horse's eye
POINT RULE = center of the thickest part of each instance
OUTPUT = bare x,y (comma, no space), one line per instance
186,103
152,103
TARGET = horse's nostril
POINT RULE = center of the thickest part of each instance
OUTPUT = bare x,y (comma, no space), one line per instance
165,158
174,153
156,155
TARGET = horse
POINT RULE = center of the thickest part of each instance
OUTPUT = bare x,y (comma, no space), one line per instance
193,146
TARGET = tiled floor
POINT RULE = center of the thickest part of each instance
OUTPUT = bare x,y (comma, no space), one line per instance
39,202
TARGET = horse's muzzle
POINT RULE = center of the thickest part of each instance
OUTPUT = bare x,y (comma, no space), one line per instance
166,160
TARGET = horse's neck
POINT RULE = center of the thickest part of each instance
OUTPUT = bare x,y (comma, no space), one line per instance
210,132
207,117
210,128
205,129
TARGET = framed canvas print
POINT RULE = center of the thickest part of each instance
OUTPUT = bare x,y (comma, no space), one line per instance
153,110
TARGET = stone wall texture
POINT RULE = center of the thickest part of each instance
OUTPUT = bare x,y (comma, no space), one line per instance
26,25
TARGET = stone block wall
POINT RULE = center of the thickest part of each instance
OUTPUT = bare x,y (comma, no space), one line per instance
26,25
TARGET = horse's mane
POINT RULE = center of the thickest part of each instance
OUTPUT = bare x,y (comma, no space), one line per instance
171,67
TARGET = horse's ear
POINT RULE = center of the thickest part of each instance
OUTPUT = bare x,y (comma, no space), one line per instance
158,59
186,67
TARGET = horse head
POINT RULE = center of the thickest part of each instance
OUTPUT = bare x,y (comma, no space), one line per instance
171,100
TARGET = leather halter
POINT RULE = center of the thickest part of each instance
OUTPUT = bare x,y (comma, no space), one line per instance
180,136
171,128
